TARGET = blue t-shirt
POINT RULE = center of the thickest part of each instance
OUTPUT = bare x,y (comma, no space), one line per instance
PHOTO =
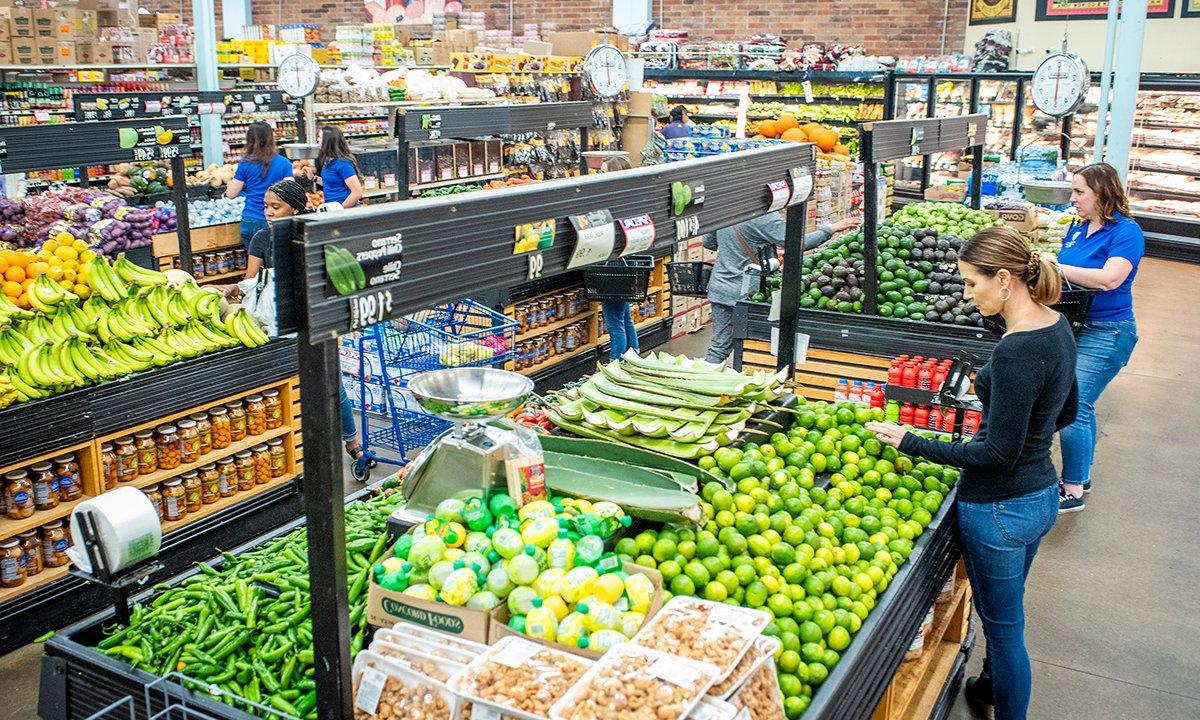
250,173
1121,238
677,129
334,175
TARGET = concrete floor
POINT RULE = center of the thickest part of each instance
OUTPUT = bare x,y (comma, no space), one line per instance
1109,626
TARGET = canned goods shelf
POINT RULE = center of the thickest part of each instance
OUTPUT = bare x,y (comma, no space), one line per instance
45,577
558,325
225,502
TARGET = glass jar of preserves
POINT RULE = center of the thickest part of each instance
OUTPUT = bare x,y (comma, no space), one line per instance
189,441
197,267
70,484
221,428
169,448
256,415
522,318
562,306
45,486
31,552
54,545
237,420
156,499
239,259
210,484
193,491
227,477
174,500
12,574
262,463
247,478
212,264
274,408
549,311
204,427
18,491
127,459
560,341
108,466
278,457
147,452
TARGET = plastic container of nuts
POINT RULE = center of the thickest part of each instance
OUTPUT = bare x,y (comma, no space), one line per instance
439,669
710,708
760,695
760,653
636,683
703,630
519,677
427,647
442,639
390,690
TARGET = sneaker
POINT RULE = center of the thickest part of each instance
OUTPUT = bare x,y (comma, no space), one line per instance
1087,487
1068,504
978,694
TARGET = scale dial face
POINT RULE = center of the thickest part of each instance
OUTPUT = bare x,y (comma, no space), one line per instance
298,75
1060,84
604,66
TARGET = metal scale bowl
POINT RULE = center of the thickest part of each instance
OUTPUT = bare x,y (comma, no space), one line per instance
469,457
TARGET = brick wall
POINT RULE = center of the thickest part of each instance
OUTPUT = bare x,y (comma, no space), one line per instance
900,27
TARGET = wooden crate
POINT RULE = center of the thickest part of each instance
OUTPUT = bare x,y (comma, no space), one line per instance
818,376
915,687
204,239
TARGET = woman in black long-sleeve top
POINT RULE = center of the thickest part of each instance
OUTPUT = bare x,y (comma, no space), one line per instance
1008,493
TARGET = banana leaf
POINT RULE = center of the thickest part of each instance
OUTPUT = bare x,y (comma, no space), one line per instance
590,392
629,472
656,504
684,451
621,452
618,375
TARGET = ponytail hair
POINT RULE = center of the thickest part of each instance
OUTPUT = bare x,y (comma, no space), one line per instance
1002,248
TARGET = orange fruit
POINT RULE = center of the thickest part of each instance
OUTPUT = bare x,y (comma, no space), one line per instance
767,128
794,134
786,122
20,259
15,273
23,301
37,268
12,289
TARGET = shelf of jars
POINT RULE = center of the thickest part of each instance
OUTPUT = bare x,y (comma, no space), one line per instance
191,464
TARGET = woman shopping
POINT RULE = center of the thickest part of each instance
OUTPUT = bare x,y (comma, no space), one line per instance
1102,252
1008,492
618,318
337,169
261,167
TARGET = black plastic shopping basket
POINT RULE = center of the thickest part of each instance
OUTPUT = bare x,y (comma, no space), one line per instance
689,279
626,278
1074,303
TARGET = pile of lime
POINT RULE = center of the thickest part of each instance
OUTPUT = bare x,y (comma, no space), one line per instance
816,559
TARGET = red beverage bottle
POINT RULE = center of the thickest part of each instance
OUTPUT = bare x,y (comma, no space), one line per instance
878,397
971,420
906,414
895,372
935,418
909,376
949,415
921,416
925,377
939,378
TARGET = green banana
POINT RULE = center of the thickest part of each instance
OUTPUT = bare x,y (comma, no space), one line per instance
136,275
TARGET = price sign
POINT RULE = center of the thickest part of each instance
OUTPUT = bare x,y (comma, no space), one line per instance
918,134
639,234
802,185
596,237
687,227
370,309
536,264
361,263
779,195
534,236
808,93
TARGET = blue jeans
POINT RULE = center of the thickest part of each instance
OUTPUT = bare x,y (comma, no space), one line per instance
349,428
999,542
248,227
1101,350
622,334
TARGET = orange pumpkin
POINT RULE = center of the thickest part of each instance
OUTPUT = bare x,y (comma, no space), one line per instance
825,139
786,122
794,134
768,129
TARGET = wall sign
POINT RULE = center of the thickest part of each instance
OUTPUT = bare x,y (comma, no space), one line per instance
534,236
1189,9
1095,9
364,263
639,234
991,12
595,238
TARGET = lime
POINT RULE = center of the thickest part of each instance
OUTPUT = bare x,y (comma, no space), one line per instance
683,585
780,605
756,594
730,580
669,569
817,673
726,458
715,591
626,546
744,573
788,661
839,639
783,554
795,705
697,573
663,549
790,685
831,658
825,620
722,500
708,462
645,542
812,652
810,632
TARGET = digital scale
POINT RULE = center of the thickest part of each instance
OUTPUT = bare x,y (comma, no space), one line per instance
469,458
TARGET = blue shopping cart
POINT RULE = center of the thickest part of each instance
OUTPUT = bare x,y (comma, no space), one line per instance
459,334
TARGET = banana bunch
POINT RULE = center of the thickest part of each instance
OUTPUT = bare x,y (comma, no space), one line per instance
135,274
240,325
45,295
8,392
118,324
205,305
9,312
12,344
104,281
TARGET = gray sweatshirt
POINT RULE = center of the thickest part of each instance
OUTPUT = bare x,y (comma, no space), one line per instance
725,285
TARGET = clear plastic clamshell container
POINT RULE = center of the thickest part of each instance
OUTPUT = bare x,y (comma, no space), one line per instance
388,690
635,683
760,695
760,653
703,630
429,647
418,631
522,679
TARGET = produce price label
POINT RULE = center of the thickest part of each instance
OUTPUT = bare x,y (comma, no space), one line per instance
802,185
534,236
639,234
370,309
779,195
675,672
596,237
516,653
370,688
687,227
362,263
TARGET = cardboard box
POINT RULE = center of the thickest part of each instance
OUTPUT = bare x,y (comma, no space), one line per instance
45,22
65,53
536,47
102,52
1024,220
6,56
87,26
385,608
579,43
462,40
45,53
436,53
64,24
5,31
20,22
500,615
85,53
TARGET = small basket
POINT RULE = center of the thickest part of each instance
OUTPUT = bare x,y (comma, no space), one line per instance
689,279
1073,303
625,279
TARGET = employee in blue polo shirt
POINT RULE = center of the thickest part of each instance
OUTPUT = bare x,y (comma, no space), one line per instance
1101,251
678,127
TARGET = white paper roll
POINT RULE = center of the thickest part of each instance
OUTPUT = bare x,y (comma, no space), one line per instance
129,528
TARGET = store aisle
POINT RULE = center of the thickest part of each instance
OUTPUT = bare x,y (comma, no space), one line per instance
1108,627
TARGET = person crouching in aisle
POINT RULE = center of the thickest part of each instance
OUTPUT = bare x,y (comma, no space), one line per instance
737,247
1008,493
285,199
618,318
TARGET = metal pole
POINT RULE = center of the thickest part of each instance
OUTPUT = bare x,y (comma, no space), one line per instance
1110,46
930,111
977,175
871,218
793,273
208,77
583,147
1125,84
183,232
1018,116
